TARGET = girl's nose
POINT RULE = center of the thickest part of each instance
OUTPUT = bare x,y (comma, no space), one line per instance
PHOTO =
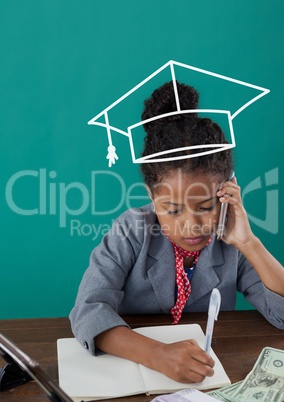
191,221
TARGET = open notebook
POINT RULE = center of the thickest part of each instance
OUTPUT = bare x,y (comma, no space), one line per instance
83,376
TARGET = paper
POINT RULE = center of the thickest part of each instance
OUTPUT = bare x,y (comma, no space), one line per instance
186,395
83,376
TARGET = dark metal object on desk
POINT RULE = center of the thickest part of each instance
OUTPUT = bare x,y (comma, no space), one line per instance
20,368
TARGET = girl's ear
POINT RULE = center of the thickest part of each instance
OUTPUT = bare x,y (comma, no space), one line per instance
151,197
149,193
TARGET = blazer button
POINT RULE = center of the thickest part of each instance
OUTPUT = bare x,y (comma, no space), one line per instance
85,344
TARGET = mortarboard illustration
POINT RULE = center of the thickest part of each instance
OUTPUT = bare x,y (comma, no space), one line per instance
223,98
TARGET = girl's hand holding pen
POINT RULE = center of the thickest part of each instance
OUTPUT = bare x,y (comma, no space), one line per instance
185,362
237,228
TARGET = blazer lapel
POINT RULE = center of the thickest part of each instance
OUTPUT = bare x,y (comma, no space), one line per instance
161,271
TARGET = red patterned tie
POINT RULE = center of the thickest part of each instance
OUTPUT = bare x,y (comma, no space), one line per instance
183,284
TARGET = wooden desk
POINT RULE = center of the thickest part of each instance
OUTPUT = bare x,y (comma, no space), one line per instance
238,339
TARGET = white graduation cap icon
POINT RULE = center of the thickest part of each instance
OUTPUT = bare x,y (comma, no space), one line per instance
173,68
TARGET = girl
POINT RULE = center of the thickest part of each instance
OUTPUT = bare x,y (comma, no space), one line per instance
165,258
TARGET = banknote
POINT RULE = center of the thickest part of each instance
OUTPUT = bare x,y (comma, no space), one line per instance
265,383
223,394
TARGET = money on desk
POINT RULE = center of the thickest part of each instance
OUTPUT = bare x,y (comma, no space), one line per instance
264,383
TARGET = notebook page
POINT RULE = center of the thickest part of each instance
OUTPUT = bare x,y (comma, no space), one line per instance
82,375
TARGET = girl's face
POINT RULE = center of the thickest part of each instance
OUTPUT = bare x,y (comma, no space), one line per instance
187,208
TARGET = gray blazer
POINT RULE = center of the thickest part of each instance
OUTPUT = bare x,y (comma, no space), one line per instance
132,271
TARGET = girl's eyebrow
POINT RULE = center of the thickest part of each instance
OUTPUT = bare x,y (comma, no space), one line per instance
176,204
199,202
208,199
173,203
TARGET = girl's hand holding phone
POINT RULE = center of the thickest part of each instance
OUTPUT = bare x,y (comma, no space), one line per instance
237,227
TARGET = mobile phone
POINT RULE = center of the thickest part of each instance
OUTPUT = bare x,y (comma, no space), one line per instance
223,216
13,355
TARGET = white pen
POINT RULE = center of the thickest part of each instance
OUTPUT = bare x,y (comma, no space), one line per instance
213,311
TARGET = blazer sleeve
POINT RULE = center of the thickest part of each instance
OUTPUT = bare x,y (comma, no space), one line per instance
101,290
268,303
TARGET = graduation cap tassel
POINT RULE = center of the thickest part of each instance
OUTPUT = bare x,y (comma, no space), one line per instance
111,155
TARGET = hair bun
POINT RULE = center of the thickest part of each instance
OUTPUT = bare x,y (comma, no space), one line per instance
163,101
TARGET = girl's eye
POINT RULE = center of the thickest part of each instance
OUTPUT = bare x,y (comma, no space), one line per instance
175,212
202,209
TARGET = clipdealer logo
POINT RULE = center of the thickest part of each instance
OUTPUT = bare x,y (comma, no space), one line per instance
53,198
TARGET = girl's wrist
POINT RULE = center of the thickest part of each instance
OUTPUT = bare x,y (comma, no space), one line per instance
250,246
156,356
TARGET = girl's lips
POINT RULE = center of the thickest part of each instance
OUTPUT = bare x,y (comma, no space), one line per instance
194,240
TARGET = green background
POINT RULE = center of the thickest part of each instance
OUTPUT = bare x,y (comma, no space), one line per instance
62,62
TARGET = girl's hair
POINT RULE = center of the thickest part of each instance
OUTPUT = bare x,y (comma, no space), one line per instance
179,131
